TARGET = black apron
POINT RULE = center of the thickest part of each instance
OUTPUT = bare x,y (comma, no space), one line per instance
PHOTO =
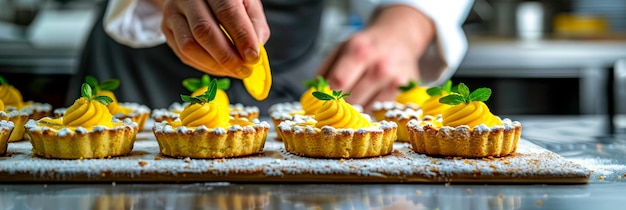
153,76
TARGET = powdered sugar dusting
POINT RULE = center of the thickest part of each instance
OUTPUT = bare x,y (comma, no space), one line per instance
274,162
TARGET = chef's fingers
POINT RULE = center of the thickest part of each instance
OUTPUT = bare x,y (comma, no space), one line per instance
386,93
351,64
183,44
207,33
234,17
378,77
257,17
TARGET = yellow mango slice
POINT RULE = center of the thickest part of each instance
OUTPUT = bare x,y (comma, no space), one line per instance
258,84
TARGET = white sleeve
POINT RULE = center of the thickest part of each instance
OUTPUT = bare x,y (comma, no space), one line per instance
135,23
451,43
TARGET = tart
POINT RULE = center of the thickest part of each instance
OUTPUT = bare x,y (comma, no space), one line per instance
18,118
337,130
121,110
14,109
86,130
467,129
6,127
206,130
401,118
411,96
170,114
412,93
307,105
431,106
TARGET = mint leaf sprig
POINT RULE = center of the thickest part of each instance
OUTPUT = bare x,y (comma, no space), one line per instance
110,84
3,81
193,84
463,95
325,97
208,96
437,91
318,84
87,92
412,84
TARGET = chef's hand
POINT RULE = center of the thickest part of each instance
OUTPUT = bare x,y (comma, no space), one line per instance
372,63
192,30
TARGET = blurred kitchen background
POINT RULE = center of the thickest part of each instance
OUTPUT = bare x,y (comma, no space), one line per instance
551,57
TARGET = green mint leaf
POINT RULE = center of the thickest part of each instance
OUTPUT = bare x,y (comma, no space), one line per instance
103,99
480,94
109,85
345,95
192,84
448,86
85,91
211,92
336,94
3,81
206,80
319,83
434,91
223,84
310,84
463,90
452,99
408,87
454,89
323,96
193,100
93,82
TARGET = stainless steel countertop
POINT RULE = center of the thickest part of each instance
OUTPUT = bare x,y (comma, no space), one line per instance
579,138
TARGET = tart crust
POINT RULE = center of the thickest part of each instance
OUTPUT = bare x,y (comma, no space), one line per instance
65,143
380,108
461,141
139,114
6,128
19,118
203,142
328,142
402,117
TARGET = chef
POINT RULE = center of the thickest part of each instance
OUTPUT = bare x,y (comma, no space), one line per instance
152,45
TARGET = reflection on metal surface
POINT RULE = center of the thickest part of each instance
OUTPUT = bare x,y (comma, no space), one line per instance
295,196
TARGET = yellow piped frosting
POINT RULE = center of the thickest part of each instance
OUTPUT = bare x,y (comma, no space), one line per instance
1,105
309,103
416,95
220,96
340,114
472,114
87,113
432,106
210,114
10,95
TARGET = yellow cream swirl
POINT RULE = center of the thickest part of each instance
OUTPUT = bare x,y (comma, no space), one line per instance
432,106
210,114
87,113
416,95
220,96
472,114
11,96
114,107
340,114
1,105
309,103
